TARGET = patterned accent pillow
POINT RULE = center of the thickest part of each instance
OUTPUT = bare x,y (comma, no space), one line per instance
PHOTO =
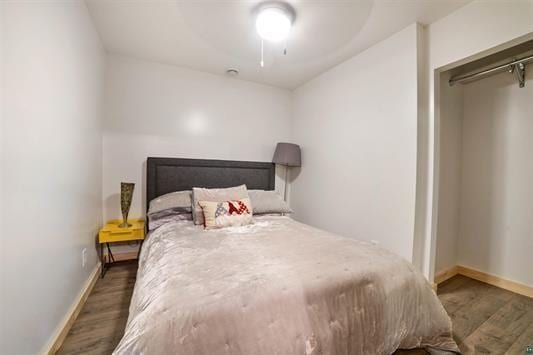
227,213
215,195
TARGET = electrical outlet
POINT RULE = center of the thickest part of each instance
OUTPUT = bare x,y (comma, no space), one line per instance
84,257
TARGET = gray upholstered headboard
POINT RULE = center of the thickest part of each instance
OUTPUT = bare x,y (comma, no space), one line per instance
164,175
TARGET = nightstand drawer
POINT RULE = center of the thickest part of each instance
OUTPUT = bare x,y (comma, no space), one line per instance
108,237
113,233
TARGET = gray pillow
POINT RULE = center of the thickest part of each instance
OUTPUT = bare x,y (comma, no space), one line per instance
157,219
264,202
179,200
214,195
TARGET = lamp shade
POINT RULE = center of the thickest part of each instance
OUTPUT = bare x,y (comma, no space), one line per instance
287,154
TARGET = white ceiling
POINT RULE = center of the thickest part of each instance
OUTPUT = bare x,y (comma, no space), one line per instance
211,35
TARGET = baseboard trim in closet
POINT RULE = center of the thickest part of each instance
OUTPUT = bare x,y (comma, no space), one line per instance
446,274
490,279
497,281
64,327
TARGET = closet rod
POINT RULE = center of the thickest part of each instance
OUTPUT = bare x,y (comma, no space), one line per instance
489,71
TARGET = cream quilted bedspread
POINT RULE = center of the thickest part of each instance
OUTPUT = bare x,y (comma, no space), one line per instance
277,287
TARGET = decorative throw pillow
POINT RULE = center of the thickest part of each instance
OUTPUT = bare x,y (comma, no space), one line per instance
227,213
268,202
214,195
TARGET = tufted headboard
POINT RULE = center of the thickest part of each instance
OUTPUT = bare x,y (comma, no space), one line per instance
164,175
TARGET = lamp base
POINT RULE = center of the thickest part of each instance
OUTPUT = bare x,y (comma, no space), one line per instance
124,225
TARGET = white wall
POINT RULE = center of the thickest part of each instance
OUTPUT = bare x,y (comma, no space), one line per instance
464,33
451,121
52,64
421,154
357,126
159,110
496,233
3,245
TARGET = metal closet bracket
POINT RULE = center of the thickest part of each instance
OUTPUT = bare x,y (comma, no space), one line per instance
520,70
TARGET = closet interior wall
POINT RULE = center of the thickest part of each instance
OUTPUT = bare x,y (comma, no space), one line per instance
485,216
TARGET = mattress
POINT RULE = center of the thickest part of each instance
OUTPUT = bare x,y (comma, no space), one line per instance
277,287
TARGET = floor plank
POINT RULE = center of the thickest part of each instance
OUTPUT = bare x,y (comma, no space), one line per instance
100,324
501,331
486,319
522,342
482,303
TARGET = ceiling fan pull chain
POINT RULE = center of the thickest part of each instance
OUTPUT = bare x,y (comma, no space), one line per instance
262,61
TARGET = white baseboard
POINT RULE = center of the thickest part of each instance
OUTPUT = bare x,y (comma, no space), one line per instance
59,335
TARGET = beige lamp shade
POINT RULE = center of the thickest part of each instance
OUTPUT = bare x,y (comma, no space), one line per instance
287,154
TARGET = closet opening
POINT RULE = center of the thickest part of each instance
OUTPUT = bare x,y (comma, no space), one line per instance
484,170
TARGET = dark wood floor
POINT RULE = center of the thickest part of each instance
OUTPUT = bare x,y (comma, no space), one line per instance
486,319
100,325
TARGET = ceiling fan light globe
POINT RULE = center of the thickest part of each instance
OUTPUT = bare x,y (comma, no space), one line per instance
273,24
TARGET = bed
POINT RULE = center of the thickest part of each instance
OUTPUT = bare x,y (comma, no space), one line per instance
274,287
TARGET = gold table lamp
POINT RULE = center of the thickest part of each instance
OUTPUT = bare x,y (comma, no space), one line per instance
126,195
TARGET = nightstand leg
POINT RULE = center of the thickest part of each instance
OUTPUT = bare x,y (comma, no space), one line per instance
112,258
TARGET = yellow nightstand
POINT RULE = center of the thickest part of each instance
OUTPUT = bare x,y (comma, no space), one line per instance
112,233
